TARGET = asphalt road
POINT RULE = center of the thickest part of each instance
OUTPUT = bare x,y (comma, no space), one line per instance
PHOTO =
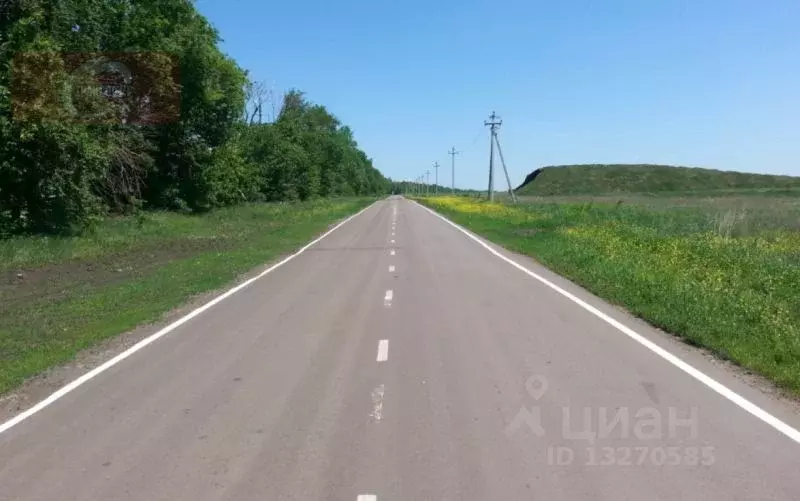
420,369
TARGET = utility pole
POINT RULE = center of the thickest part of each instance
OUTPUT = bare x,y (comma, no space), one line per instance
428,183
436,182
494,123
453,154
508,180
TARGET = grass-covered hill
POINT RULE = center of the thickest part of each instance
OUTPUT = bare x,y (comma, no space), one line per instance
600,179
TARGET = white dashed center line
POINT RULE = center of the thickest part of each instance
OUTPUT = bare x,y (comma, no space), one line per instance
377,407
383,356
383,350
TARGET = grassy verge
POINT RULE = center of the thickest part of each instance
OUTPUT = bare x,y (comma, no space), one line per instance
726,283
61,295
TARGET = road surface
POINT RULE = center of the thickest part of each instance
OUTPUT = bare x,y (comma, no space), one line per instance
395,360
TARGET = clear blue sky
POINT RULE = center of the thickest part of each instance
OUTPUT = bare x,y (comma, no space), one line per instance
713,83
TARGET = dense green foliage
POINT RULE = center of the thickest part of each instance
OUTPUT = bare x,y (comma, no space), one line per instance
718,277
606,179
181,136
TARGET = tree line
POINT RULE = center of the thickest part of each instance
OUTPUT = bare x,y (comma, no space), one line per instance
113,107
412,188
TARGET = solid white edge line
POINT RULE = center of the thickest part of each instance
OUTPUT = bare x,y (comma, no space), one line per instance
383,350
53,397
718,387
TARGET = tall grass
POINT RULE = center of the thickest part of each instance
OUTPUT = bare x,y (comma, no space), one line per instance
127,234
61,295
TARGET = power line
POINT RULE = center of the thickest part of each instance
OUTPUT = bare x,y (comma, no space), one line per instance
453,152
474,141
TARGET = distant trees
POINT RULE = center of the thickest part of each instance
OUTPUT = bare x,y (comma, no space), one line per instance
407,187
173,130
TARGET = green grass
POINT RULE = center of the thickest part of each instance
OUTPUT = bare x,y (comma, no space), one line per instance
59,296
717,273
654,179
